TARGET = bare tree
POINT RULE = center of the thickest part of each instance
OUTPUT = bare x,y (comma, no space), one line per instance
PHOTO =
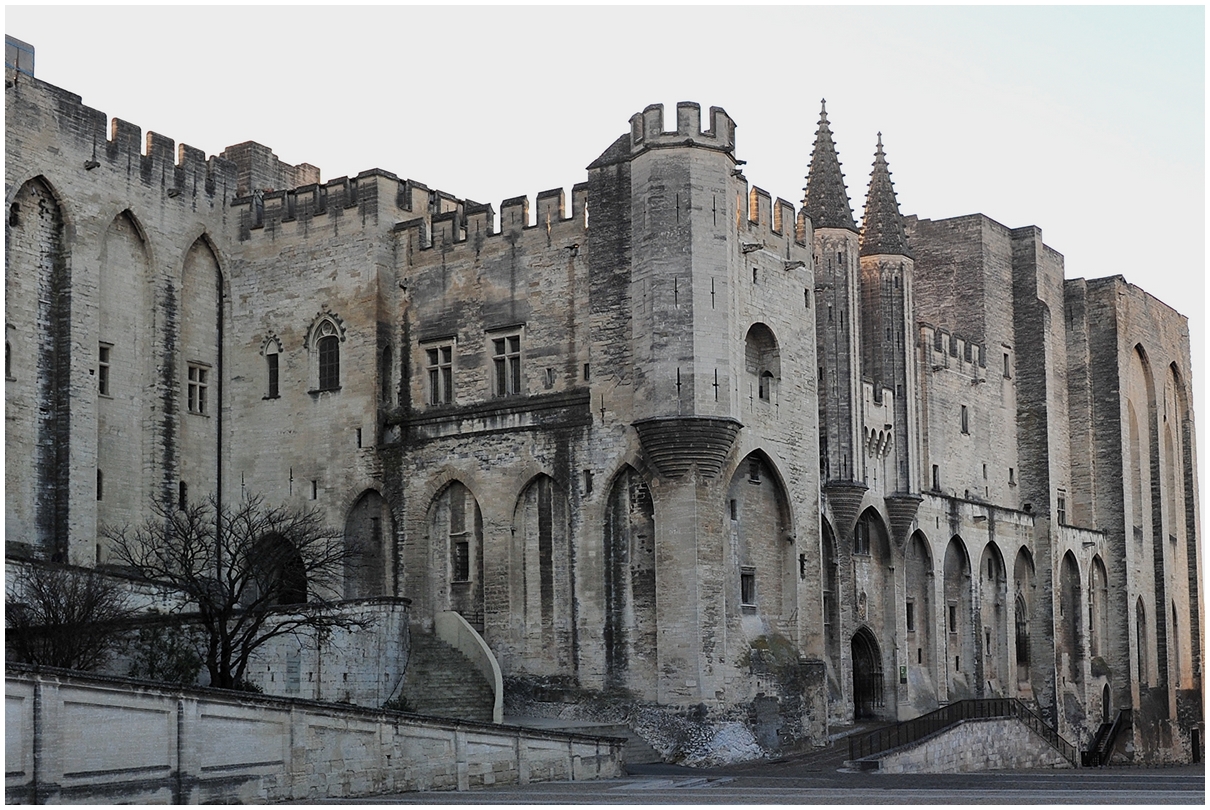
251,572
58,616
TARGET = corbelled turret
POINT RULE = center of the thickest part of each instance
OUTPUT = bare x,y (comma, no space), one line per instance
882,228
827,201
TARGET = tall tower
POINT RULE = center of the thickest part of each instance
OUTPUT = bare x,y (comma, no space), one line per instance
837,328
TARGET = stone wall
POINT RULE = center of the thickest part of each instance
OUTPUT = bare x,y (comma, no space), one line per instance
976,745
73,738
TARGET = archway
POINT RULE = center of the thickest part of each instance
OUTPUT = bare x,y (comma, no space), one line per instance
630,595
366,537
867,675
456,545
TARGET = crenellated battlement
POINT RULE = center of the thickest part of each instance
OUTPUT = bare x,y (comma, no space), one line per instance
471,223
948,350
647,128
774,219
182,172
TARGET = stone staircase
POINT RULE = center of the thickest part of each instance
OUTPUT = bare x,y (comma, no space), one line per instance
442,682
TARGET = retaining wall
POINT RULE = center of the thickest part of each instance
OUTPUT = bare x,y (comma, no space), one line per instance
976,745
74,738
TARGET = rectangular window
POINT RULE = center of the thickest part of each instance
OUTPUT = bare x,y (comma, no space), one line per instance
1061,508
1012,477
182,495
1007,367
911,616
100,485
441,374
936,477
271,364
747,586
953,617
461,561
506,356
965,419
103,370
198,388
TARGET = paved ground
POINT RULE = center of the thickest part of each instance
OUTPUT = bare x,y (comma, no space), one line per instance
796,782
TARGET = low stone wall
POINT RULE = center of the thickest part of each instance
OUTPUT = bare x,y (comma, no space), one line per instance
976,745
74,738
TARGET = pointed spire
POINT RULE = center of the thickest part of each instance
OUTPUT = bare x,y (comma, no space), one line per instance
826,201
882,228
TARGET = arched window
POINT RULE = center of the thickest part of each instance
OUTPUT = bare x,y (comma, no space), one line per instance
326,346
762,360
766,385
272,356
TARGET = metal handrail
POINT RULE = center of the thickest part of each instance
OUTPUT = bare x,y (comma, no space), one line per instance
910,731
1098,756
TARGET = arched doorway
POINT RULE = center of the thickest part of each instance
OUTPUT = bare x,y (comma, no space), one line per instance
867,675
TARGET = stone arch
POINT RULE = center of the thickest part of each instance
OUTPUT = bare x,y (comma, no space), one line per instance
541,578
279,574
831,594
455,532
1185,556
1023,608
630,585
869,688
959,621
368,533
758,523
1142,644
993,615
918,620
198,362
1069,635
762,361
1156,555
1098,609
125,375
38,304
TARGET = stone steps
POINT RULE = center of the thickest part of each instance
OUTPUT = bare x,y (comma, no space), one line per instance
442,682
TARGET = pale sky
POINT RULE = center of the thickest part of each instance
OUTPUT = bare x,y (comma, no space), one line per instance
1088,122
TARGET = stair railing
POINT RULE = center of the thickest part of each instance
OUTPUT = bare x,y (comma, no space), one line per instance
1098,755
910,731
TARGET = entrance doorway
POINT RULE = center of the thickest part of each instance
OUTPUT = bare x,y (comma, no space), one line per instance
1106,709
867,676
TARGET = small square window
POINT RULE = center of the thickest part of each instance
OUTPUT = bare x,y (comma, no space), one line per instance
198,392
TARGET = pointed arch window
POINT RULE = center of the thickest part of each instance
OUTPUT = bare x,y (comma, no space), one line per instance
325,342
272,370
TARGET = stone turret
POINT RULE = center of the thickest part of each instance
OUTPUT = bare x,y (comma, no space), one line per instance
827,200
838,327
886,296
882,227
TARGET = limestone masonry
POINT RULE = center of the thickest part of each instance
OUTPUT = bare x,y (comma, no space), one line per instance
670,441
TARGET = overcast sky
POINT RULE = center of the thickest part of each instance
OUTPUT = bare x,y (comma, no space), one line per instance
1088,122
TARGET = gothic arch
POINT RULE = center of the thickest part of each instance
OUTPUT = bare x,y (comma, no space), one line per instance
757,519
368,533
39,305
1069,631
455,538
278,572
762,361
831,593
630,585
993,614
542,581
1098,609
1023,610
125,378
197,383
918,585
959,622
869,690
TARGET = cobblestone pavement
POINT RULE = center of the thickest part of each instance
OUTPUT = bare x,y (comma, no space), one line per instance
795,783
